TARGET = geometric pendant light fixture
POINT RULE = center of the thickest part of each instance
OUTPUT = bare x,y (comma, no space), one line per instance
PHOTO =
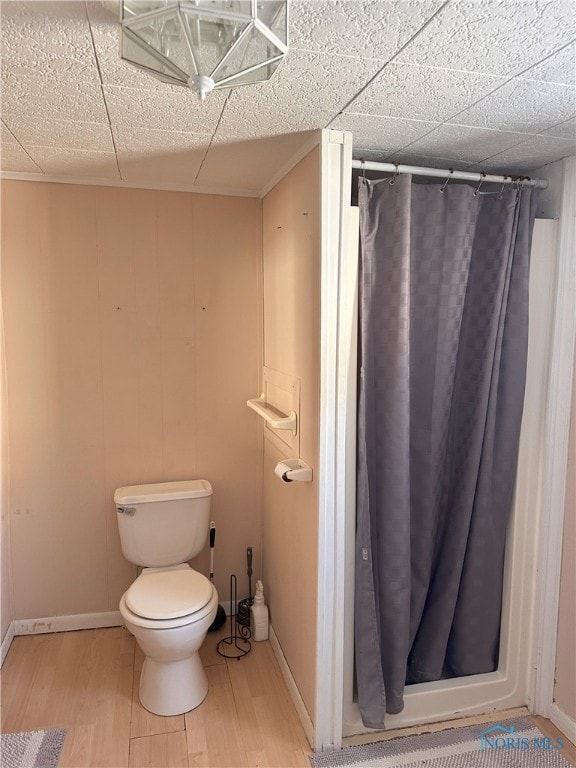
205,44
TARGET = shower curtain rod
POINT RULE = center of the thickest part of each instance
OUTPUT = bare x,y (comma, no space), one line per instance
416,170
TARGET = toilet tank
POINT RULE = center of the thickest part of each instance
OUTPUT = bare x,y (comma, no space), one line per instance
163,524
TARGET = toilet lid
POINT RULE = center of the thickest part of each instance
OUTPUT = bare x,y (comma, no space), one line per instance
168,594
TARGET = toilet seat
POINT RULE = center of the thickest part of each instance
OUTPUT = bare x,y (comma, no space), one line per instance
168,594
168,598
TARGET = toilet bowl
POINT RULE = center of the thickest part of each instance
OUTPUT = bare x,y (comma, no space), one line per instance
169,610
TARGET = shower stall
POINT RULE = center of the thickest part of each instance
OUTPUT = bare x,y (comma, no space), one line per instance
533,536
508,686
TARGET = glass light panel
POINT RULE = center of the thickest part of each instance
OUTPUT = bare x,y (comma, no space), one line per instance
133,8
252,50
258,75
139,55
164,34
211,38
274,13
240,7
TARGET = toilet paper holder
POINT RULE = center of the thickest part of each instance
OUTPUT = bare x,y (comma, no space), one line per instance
291,470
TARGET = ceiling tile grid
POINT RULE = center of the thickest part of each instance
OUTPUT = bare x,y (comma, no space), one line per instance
527,106
14,158
383,134
424,93
66,134
497,37
75,162
521,157
465,143
167,110
309,90
435,81
565,130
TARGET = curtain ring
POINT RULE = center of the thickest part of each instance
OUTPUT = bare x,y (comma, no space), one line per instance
363,162
502,188
477,190
443,187
396,174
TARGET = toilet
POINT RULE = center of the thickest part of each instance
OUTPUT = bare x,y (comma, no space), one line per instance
170,606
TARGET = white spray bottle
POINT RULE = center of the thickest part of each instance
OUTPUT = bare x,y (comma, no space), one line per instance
259,615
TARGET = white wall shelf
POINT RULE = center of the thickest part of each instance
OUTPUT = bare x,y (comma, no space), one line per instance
275,419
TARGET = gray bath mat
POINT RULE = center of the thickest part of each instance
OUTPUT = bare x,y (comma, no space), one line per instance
514,743
32,749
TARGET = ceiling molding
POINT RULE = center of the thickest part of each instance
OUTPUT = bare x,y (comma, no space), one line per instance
200,190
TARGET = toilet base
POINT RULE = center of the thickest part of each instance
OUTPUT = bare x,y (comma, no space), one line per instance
173,687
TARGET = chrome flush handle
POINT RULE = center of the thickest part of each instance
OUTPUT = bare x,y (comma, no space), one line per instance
126,510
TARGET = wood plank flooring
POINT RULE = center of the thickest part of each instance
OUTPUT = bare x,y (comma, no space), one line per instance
87,682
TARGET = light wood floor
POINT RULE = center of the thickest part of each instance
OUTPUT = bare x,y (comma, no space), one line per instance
87,683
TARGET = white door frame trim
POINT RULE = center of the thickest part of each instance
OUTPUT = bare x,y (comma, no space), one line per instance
556,439
336,180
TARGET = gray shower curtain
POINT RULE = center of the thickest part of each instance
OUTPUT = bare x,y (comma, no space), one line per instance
443,325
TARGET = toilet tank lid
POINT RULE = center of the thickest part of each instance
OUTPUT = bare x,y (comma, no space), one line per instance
142,494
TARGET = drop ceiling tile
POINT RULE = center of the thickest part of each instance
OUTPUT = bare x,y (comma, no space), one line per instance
176,169
14,159
559,68
95,137
407,158
28,94
521,105
565,130
372,30
152,141
52,38
7,137
75,162
306,91
464,143
429,161
163,109
537,151
240,122
424,93
382,134
248,165
497,37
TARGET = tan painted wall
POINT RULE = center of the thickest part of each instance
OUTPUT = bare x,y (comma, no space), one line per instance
565,684
132,322
291,255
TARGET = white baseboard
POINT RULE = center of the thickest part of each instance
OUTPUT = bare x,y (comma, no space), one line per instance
563,722
307,723
7,642
57,624
67,623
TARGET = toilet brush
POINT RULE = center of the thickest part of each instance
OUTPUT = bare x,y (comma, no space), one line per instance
220,619
245,605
